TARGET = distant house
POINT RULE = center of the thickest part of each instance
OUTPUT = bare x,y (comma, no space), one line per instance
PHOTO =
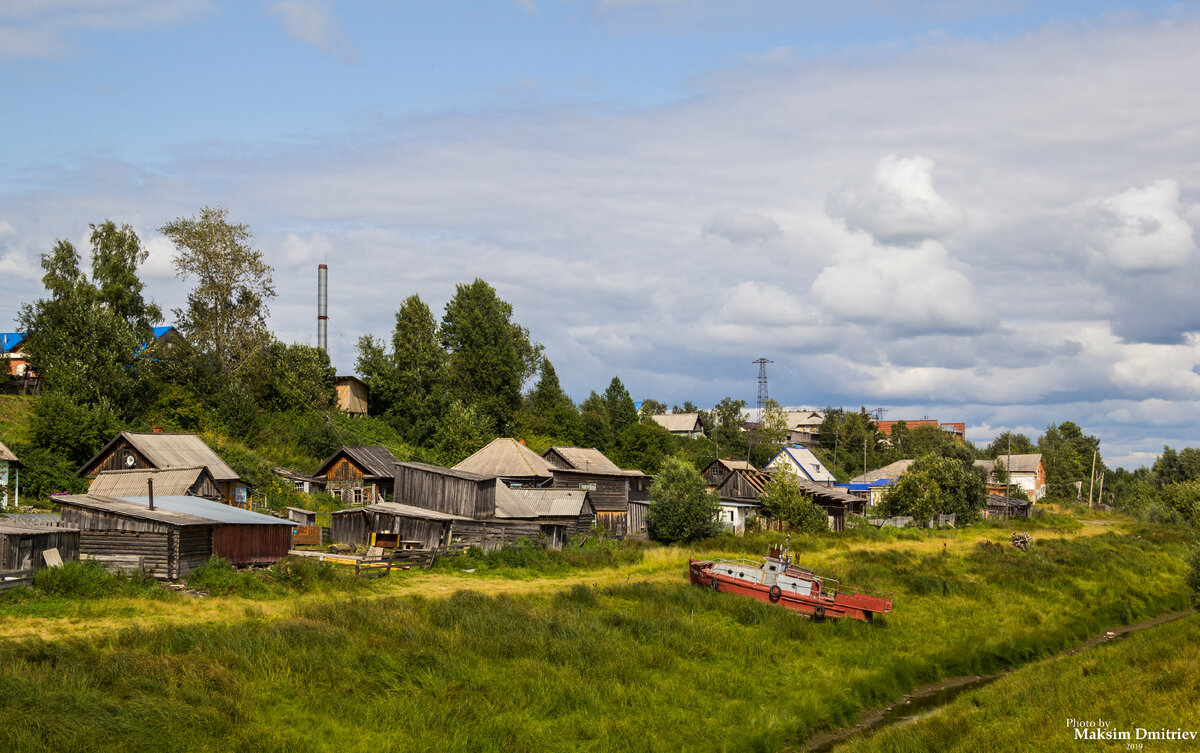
739,489
1000,506
9,464
10,345
510,461
140,450
956,429
1027,473
804,427
716,472
804,464
872,485
352,395
359,475
174,538
301,482
196,481
680,424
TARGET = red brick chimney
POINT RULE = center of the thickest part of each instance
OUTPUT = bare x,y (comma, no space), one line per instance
156,429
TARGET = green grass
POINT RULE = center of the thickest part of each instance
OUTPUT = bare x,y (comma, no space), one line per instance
1146,680
15,413
640,666
529,559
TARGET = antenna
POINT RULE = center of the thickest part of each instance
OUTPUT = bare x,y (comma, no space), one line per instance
762,384
323,307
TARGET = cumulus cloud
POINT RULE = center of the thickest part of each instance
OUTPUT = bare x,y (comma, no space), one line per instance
899,203
1141,230
740,226
902,289
314,24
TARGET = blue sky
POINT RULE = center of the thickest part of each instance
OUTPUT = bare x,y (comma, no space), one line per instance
978,212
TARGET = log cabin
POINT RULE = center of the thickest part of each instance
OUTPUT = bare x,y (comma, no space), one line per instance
359,475
158,450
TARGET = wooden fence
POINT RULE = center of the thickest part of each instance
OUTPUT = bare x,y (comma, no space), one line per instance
13,578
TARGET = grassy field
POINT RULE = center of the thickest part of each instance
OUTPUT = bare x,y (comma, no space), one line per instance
14,418
613,652
1147,680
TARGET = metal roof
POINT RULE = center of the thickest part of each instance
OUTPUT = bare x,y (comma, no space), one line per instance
167,481
50,519
1027,463
288,473
511,504
445,471
678,422
553,502
10,342
804,461
506,458
889,471
173,510
8,529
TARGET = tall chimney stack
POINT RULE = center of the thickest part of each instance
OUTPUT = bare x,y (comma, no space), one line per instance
323,307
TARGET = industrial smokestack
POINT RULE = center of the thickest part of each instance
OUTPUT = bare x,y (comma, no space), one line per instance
323,307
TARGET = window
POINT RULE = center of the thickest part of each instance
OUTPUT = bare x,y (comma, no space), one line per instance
298,485
358,496
588,486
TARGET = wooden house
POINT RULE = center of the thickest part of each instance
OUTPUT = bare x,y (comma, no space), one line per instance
510,461
174,537
803,464
1027,473
168,482
718,470
22,547
140,450
299,481
680,424
351,395
607,485
359,475
11,346
1000,506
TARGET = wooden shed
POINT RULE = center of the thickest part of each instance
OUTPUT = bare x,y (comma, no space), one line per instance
607,485
168,482
352,395
141,450
429,528
360,475
22,547
174,538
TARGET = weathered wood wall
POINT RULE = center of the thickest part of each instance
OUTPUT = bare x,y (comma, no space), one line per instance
431,490
616,522
636,521
607,492
252,544
114,459
149,551
23,551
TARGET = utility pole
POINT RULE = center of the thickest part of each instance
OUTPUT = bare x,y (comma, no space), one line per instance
1092,478
762,402
1008,465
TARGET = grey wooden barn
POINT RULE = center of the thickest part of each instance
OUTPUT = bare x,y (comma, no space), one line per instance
22,547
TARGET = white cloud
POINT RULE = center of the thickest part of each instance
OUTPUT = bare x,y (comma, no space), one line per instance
314,24
740,226
44,28
899,203
1142,230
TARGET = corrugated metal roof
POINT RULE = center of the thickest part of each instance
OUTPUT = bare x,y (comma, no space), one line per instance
1027,463
288,473
10,342
586,459
506,458
511,504
553,502
174,510
167,481
31,518
805,462
131,509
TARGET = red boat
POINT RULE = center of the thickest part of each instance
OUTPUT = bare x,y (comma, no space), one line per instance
777,581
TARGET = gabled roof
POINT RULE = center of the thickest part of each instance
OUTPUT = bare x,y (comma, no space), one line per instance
172,510
732,465
809,465
506,458
678,422
375,460
890,471
7,454
587,459
446,471
1027,463
755,478
160,331
171,451
294,475
509,504
132,483
10,342
999,500
554,502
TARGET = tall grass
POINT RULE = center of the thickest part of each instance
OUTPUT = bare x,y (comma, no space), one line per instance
639,666
291,575
528,559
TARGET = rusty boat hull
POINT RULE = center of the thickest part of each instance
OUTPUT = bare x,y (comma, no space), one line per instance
824,598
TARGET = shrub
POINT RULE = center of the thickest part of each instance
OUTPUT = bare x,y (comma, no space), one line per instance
218,576
681,508
89,580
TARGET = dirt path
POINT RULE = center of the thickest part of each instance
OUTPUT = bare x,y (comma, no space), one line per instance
661,565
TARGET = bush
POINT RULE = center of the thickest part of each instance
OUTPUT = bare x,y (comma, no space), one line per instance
89,580
682,508
218,576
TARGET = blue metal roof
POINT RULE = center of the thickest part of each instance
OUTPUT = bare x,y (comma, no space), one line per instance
204,508
160,331
10,340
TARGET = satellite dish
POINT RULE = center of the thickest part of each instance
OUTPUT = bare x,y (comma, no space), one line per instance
129,461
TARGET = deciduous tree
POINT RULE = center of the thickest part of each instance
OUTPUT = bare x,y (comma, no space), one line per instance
682,509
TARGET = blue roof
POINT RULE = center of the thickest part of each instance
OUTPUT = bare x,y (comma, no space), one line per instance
10,340
160,331
204,508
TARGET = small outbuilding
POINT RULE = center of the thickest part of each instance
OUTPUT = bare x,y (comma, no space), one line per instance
352,395
24,547
175,536
299,481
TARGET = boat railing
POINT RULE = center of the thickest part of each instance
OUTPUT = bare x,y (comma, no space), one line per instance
856,591
751,563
